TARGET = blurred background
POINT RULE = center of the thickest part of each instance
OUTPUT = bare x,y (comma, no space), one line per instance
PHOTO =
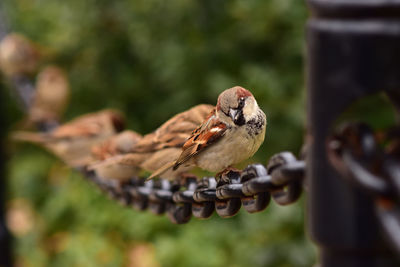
152,59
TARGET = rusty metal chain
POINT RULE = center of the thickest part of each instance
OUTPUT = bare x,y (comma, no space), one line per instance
253,188
356,153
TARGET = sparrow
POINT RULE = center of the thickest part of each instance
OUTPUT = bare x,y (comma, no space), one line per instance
120,143
232,133
154,149
72,141
119,167
109,161
51,95
18,55
115,145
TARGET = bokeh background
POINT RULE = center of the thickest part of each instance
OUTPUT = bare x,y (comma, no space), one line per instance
152,59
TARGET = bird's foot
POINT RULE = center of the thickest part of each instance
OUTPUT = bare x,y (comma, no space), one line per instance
228,174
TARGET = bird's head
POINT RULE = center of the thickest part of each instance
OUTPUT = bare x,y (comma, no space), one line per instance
126,140
236,106
117,119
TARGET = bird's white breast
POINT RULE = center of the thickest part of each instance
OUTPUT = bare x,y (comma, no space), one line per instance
235,146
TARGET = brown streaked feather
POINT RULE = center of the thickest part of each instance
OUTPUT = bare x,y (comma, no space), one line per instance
208,133
131,159
119,167
87,125
175,131
71,131
72,142
32,137
185,120
67,132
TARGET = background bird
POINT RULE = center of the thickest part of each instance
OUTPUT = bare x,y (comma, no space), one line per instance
120,143
51,95
154,149
72,141
18,55
231,134
109,160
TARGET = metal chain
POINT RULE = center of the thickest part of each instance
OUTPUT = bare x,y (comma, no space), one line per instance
355,153
253,188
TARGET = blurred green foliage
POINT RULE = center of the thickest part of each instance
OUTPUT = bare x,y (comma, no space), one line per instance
153,59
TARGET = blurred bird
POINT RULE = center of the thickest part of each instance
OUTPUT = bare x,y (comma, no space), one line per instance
231,134
51,95
154,149
72,142
18,55
114,148
121,143
119,167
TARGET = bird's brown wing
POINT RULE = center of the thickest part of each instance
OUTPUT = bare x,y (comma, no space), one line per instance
175,131
176,134
186,121
210,131
204,136
77,130
67,131
88,125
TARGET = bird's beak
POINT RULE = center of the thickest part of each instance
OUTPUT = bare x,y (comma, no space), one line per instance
233,113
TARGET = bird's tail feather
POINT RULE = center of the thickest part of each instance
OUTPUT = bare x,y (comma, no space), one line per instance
30,137
161,170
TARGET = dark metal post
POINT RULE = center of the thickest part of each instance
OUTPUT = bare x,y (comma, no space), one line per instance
5,244
353,50
5,240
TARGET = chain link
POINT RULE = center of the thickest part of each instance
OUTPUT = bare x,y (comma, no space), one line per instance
355,153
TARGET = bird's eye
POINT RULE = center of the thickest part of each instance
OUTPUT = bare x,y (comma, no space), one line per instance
241,102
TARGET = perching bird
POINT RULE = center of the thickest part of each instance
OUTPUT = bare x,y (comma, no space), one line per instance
121,143
119,167
154,149
115,147
231,134
72,142
18,55
51,95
